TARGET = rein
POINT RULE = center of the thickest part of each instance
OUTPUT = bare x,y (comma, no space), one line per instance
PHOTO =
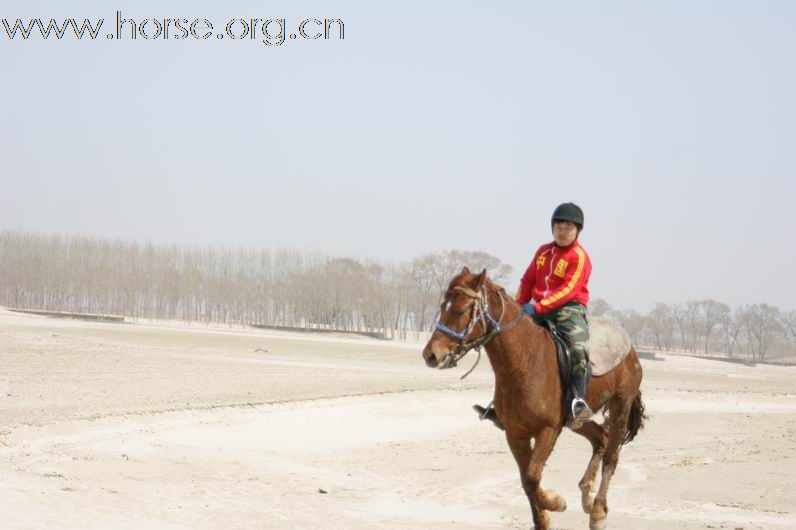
480,312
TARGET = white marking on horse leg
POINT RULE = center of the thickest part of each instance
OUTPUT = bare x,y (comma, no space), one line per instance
587,493
588,485
599,511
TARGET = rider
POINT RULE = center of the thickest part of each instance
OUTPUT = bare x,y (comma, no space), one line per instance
557,282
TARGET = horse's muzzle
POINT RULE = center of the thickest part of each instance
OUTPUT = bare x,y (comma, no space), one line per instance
430,358
449,359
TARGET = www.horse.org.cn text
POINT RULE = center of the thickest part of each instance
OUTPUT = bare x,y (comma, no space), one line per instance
267,31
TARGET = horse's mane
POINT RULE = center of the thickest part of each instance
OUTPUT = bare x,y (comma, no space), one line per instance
462,279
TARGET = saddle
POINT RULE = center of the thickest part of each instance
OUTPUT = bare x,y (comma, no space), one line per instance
609,344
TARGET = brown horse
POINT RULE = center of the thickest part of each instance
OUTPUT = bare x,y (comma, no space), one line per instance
528,393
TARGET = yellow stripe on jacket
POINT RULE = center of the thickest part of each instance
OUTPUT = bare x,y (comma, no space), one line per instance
572,282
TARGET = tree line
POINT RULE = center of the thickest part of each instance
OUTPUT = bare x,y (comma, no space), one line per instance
709,327
310,290
286,287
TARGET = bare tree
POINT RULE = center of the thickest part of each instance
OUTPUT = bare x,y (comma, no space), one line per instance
661,324
634,324
789,325
732,325
680,317
694,323
762,323
599,308
712,314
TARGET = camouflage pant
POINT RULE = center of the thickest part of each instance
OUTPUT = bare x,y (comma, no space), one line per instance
570,320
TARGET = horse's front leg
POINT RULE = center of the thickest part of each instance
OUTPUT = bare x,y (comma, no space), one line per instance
530,463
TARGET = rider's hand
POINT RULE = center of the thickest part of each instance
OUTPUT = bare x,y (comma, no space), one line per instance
530,309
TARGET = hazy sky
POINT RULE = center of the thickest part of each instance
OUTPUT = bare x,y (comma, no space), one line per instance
431,126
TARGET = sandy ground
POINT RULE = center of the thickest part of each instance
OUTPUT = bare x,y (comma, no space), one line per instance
167,426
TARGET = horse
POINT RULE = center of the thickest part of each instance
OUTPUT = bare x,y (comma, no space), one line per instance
528,390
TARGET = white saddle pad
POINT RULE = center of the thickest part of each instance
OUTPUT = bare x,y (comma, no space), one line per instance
608,345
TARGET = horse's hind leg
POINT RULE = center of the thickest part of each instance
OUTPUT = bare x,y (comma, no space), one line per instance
531,462
598,437
618,413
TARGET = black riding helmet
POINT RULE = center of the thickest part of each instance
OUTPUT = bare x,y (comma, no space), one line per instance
568,211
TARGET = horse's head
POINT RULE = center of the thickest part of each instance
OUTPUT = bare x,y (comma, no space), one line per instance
459,321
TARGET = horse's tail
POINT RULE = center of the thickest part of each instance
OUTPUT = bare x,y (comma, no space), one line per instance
636,420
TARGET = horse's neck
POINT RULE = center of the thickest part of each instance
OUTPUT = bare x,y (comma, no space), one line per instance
515,353
514,347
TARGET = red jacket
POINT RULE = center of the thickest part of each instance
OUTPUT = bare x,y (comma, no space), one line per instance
556,275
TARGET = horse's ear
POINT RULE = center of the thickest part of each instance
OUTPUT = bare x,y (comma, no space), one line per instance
479,280
466,271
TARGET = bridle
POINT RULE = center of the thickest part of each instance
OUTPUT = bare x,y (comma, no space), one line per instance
479,306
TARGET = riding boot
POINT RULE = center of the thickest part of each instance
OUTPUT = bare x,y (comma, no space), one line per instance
489,414
581,412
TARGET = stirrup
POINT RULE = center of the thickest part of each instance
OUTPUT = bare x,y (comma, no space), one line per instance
581,413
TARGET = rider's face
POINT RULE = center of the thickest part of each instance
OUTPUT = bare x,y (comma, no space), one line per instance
565,233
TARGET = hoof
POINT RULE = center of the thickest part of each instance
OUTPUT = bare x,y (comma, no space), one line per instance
558,504
602,524
552,501
543,521
598,519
